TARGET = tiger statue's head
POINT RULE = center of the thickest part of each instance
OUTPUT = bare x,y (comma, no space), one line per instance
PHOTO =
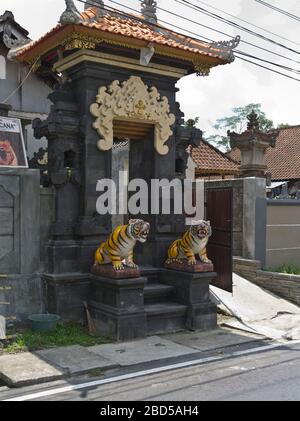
201,229
139,229
7,154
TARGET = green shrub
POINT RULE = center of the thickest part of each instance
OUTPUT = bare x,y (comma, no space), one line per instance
289,268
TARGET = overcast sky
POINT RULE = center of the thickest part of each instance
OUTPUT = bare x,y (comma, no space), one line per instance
228,86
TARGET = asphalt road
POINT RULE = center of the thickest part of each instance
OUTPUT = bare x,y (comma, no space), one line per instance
267,375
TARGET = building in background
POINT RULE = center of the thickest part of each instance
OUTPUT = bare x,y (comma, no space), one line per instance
20,87
209,163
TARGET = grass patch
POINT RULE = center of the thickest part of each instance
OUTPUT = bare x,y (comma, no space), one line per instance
65,334
289,268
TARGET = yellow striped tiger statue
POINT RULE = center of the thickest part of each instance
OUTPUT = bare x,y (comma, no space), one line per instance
118,248
193,242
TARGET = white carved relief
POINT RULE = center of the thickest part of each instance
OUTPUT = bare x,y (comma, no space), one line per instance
135,101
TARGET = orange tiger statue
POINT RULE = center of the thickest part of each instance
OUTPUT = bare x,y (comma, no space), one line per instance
118,248
193,242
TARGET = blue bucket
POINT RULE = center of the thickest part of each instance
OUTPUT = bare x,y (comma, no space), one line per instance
43,322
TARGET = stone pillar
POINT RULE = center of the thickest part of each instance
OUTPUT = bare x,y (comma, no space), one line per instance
117,307
254,218
253,145
192,290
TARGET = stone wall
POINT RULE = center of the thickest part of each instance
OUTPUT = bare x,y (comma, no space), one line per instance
283,232
20,292
281,284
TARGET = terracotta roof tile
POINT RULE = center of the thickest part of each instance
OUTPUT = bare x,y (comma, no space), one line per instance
208,158
135,28
283,161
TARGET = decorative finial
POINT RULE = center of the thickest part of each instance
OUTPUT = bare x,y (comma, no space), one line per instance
98,4
253,121
71,14
149,10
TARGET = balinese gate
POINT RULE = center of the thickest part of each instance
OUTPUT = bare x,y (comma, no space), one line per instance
218,206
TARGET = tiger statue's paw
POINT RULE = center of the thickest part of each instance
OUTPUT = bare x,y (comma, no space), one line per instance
119,266
192,261
208,261
131,265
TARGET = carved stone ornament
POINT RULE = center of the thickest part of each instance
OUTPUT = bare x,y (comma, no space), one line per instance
135,101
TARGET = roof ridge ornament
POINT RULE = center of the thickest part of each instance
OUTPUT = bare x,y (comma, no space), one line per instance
232,43
149,10
71,14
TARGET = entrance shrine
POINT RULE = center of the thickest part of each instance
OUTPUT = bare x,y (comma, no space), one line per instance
114,76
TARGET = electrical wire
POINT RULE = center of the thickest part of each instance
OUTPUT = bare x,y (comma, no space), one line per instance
21,84
277,9
249,23
236,25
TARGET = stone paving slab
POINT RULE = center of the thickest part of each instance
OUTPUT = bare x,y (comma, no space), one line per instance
75,359
26,368
206,341
140,351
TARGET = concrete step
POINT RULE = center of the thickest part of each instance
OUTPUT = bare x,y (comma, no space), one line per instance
151,273
165,317
156,293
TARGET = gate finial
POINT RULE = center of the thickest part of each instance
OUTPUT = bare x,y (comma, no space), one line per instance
149,10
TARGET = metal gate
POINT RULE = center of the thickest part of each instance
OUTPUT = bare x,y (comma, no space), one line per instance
218,210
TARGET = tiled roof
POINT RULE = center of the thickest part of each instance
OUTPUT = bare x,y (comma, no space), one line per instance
283,161
134,28
211,160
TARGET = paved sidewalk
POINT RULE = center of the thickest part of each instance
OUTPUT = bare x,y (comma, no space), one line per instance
51,364
257,310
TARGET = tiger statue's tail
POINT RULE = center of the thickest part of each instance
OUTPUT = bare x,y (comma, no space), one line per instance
99,256
173,252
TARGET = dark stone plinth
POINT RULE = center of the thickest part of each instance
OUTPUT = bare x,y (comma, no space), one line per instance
65,293
185,267
117,307
107,271
192,289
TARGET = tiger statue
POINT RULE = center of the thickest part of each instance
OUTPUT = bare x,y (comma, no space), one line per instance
118,248
193,241
7,154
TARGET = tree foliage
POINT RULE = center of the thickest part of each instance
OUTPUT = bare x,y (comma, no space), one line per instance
238,122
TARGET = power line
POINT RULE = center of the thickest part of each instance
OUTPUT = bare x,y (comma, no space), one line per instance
234,24
249,23
121,13
215,30
268,68
264,67
277,9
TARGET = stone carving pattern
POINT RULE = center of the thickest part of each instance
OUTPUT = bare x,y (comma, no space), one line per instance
132,100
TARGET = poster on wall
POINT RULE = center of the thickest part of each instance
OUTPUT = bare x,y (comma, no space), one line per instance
12,147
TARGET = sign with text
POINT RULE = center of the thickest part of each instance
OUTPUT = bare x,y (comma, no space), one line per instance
12,148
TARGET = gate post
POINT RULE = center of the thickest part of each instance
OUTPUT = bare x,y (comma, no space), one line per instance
254,218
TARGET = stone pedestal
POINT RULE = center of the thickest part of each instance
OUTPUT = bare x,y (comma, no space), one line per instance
65,293
117,307
185,267
192,289
107,271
